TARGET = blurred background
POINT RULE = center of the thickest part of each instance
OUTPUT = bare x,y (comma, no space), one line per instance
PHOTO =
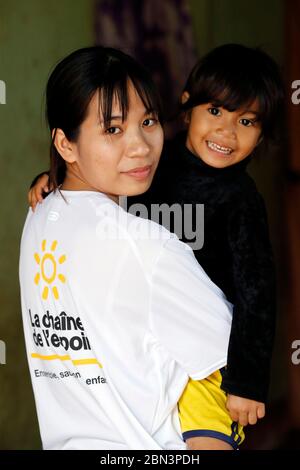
167,36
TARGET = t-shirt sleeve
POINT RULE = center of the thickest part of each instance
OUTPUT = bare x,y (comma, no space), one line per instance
189,314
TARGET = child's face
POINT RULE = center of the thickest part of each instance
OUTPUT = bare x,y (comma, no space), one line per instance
121,159
222,138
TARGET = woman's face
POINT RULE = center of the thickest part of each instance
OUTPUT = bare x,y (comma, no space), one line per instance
121,159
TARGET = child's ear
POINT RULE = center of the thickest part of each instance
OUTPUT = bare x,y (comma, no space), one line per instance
187,114
260,140
64,147
184,97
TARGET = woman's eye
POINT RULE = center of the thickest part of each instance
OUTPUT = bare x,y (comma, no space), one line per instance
149,122
113,130
214,111
247,122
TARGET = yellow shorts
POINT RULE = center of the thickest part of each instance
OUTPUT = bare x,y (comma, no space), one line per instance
202,412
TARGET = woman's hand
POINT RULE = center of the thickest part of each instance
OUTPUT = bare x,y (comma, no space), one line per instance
35,194
245,411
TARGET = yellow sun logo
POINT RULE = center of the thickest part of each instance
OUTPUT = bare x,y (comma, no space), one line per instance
48,269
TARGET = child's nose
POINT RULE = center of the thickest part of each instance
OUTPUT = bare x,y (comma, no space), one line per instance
227,128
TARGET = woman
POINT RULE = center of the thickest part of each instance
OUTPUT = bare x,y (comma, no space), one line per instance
117,312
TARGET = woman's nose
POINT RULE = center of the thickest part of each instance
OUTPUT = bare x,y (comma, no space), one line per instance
138,147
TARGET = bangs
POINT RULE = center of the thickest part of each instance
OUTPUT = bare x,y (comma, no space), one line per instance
232,92
114,90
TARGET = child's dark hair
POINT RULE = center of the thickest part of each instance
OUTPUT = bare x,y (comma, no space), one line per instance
76,79
233,76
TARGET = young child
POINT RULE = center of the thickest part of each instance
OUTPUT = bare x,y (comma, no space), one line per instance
231,103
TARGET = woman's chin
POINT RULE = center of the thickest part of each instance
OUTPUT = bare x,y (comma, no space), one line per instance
138,189
136,192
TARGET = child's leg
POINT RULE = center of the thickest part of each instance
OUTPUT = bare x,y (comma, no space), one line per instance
205,421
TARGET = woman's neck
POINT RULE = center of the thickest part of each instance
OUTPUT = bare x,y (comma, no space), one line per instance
73,182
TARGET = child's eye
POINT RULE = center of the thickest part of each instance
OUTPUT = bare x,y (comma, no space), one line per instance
214,111
247,122
113,130
149,122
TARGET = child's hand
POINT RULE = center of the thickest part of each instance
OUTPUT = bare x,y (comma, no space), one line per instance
35,194
245,411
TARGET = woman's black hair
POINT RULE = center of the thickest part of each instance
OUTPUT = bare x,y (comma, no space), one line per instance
76,79
233,76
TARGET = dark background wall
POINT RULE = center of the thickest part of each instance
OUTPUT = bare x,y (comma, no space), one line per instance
34,35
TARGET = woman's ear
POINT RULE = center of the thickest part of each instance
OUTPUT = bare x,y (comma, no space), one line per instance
184,97
64,147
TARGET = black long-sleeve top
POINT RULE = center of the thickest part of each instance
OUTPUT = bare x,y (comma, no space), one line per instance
236,254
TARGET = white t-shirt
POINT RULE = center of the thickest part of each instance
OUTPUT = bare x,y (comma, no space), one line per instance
117,315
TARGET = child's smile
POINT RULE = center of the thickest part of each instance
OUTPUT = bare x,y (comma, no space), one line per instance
219,148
